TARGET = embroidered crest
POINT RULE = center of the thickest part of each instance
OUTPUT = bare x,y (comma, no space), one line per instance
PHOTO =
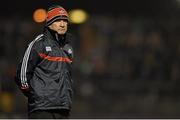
48,48
70,51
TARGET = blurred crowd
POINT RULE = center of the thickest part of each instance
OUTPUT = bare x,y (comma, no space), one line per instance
124,67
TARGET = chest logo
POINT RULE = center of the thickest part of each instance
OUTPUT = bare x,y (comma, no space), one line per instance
70,51
48,48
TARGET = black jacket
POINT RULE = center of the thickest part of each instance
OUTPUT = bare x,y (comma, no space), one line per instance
44,73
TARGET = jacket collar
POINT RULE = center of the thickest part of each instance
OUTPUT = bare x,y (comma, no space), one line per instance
52,35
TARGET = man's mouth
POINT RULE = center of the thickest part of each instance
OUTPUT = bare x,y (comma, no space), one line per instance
61,29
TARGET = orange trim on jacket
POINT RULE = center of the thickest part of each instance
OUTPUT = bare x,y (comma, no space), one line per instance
55,59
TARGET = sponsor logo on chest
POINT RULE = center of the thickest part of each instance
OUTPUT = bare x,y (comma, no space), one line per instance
70,51
48,48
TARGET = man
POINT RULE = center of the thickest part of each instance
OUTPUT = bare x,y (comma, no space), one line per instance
44,73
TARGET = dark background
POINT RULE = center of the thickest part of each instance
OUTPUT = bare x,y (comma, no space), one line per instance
127,57
113,7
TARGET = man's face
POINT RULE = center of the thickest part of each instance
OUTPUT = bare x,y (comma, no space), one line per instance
60,26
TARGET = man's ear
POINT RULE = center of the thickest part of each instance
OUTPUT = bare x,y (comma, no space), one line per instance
50,26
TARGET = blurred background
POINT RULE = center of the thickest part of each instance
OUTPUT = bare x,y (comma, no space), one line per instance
127,56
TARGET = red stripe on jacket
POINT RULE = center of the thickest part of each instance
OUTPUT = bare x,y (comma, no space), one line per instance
55,59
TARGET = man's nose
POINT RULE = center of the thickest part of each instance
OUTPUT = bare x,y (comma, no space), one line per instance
62,24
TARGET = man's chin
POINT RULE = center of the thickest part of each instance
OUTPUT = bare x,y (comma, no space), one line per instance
61,33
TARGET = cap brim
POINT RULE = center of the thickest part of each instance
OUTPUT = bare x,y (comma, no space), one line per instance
56,19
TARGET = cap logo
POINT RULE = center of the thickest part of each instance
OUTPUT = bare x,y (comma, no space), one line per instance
62,12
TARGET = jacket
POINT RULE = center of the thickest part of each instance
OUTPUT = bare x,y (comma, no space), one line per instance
44,74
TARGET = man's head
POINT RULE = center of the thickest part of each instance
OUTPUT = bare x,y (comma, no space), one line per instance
57,19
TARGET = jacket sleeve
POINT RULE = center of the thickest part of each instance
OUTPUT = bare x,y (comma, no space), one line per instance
25,68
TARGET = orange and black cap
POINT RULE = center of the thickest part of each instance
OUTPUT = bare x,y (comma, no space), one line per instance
56,13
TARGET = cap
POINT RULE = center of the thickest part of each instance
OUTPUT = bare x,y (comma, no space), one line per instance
54,13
